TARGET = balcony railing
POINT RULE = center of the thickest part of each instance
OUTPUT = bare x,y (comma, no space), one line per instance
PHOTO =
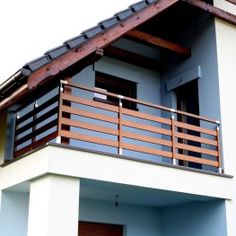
72,116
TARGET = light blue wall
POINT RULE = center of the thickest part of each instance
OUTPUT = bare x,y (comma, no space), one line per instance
138,220
200,38
14,214
148,89
195,219
190,219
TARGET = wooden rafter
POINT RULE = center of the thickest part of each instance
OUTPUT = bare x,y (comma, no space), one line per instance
100,41
159,42
132,58
217,12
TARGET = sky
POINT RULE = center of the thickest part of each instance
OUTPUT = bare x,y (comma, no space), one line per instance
29,28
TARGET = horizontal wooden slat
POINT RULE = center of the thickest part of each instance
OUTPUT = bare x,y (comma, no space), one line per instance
36,144
196,149
196,160
196,138
38,109
194,128
89,126
90,103
146,127
37,121
145,116
88,138
148,104
88,114
147,150
145,138
36,132
152,40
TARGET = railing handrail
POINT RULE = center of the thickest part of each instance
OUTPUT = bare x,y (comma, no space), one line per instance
171,110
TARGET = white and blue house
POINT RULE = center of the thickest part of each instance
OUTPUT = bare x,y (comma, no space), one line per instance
127,129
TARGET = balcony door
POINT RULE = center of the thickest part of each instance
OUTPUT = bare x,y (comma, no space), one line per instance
97,229
188,101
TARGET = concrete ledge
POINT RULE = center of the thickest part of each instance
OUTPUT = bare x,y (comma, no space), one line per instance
78,163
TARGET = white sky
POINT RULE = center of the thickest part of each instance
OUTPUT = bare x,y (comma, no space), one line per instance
29,28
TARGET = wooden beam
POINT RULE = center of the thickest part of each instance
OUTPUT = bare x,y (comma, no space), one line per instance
232,1
132,58
84,62
20,92
77,67
158,42
100,41
217,12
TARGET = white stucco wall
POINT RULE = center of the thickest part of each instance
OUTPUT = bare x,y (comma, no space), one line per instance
53,206
226,51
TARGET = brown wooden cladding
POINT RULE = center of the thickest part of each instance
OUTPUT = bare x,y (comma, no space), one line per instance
196,138
195,128
148,150
93,115
36,144
89,103
196,149
146,138
36,132
197,160
37,110
36,126
88,138
36,121
148,124
98,229
146,129
123,129
88,126
146,116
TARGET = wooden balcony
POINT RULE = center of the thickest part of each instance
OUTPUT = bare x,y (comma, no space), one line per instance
71,115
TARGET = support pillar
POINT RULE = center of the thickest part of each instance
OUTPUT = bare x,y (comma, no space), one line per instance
54,206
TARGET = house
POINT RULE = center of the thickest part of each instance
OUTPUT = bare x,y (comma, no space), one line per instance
127,129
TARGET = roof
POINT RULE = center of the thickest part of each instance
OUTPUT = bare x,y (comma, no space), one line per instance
85,36
20,76
49,64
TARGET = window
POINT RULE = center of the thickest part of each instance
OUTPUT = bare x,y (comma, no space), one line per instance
116,85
